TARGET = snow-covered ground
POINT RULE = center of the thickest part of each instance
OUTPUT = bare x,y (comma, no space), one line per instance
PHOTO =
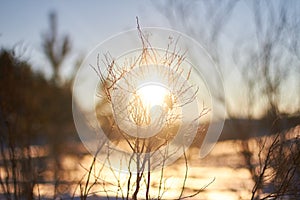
222,170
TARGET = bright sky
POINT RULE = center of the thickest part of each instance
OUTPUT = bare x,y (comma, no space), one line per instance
87,22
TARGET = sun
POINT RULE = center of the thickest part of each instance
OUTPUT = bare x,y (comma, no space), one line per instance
147,105
152,94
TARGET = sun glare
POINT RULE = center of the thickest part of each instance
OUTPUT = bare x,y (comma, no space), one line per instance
152,94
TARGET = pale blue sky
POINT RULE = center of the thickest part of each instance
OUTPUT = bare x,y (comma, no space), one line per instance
90,22
24,20
87,23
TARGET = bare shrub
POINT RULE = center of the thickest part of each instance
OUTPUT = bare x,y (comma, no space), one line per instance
142,151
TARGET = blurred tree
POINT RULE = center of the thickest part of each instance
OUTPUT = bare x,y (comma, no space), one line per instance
22,116
33,113
55,48
268,54
267,57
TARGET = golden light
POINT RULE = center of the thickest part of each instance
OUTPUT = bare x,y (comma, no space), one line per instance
148,104
152,94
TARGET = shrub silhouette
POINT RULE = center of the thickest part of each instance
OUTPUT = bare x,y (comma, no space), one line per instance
33,113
